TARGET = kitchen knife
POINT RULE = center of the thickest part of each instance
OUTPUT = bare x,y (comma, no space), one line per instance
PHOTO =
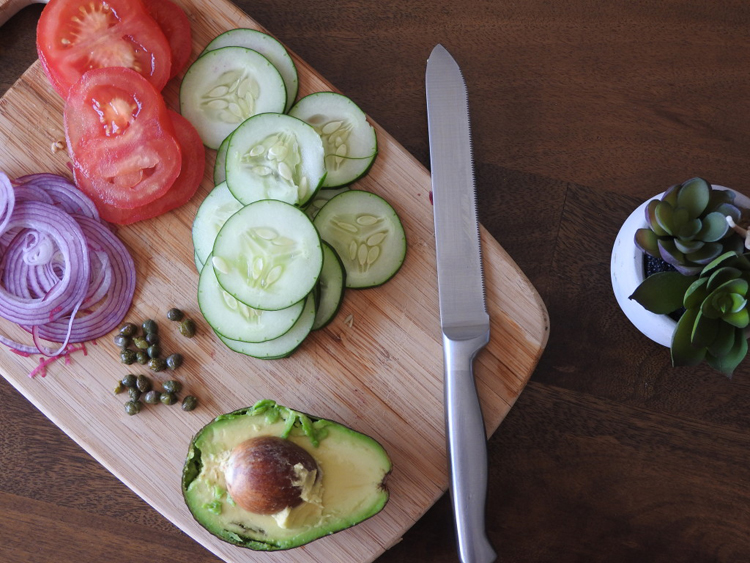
463,314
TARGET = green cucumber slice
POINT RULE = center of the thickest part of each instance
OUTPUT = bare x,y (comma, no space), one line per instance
332,283
274,156
349,140
224,87
234,320
366,233
282,346
267,46
218,206
320,199
220,165
268,255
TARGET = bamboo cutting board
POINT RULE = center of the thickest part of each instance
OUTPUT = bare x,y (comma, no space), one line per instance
376,368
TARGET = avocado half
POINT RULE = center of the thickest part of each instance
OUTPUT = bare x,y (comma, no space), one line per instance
348,487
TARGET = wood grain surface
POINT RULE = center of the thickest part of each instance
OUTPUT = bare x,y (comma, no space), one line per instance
581,110
380,373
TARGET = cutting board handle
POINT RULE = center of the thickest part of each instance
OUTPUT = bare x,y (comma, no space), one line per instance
9,8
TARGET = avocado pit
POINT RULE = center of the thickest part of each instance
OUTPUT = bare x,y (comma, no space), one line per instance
266,474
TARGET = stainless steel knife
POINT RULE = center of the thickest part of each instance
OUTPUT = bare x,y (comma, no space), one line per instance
463,314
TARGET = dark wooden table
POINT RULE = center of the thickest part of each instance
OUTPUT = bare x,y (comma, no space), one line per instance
581,110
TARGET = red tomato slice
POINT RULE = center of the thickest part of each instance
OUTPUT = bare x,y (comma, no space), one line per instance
74,36
184,188
174,22
120,138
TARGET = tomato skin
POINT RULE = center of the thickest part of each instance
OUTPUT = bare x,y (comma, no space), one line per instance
184,187
175,24
74,36
120,138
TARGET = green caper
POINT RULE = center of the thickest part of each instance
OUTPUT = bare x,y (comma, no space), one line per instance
127,356
152,397
187,328
154,351
143,383
172,386
168,398
175,314
174,361
189,403
140,342
157,364
150,326
152,337
121,340
134,394
128,329
133,407
141,356
129,380
119,388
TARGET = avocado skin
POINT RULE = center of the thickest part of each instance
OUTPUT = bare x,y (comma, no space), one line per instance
306,423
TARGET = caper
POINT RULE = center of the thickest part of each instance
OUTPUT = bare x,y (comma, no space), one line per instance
119,388
168,398
157,364
175,314
150,326
152,337
172,386
121,340
128,329
189,403
187,328
174,361
134,394
152,397
129,380
140,342
143,383
141,356
154,351
127,356
133,407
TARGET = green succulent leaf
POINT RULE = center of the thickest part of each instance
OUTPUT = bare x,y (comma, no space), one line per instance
719,302
683,351
714,227
708,252
647,241
651,218
681,219
726,259
740,319
670,195
721,276
664,212
739,302
695,294
669,253
705,331
688,246
689,229
694,195
662,293
720,197
728,209
727,363
724,340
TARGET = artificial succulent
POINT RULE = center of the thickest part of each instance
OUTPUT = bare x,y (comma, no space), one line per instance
688,227
713,325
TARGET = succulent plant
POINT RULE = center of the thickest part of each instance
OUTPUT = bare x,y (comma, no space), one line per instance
712,328
688,226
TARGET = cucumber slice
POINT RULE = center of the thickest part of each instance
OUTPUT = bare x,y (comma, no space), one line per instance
198,263
349,140
282,346
366,233
274,156
267,46
320,199
331,283
224,87
220,165
234,320
213,212
268,255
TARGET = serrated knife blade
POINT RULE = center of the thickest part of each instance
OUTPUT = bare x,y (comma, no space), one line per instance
463,314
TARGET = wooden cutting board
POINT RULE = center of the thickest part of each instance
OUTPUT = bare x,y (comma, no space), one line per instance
376,368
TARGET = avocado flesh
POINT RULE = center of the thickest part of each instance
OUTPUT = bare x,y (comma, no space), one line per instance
351,488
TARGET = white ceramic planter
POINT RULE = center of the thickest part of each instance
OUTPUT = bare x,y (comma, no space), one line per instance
627,271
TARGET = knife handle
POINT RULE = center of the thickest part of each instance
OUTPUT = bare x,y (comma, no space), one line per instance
467,449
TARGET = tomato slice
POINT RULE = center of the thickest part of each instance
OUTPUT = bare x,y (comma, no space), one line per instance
120,138
74,36
184,187
175,24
